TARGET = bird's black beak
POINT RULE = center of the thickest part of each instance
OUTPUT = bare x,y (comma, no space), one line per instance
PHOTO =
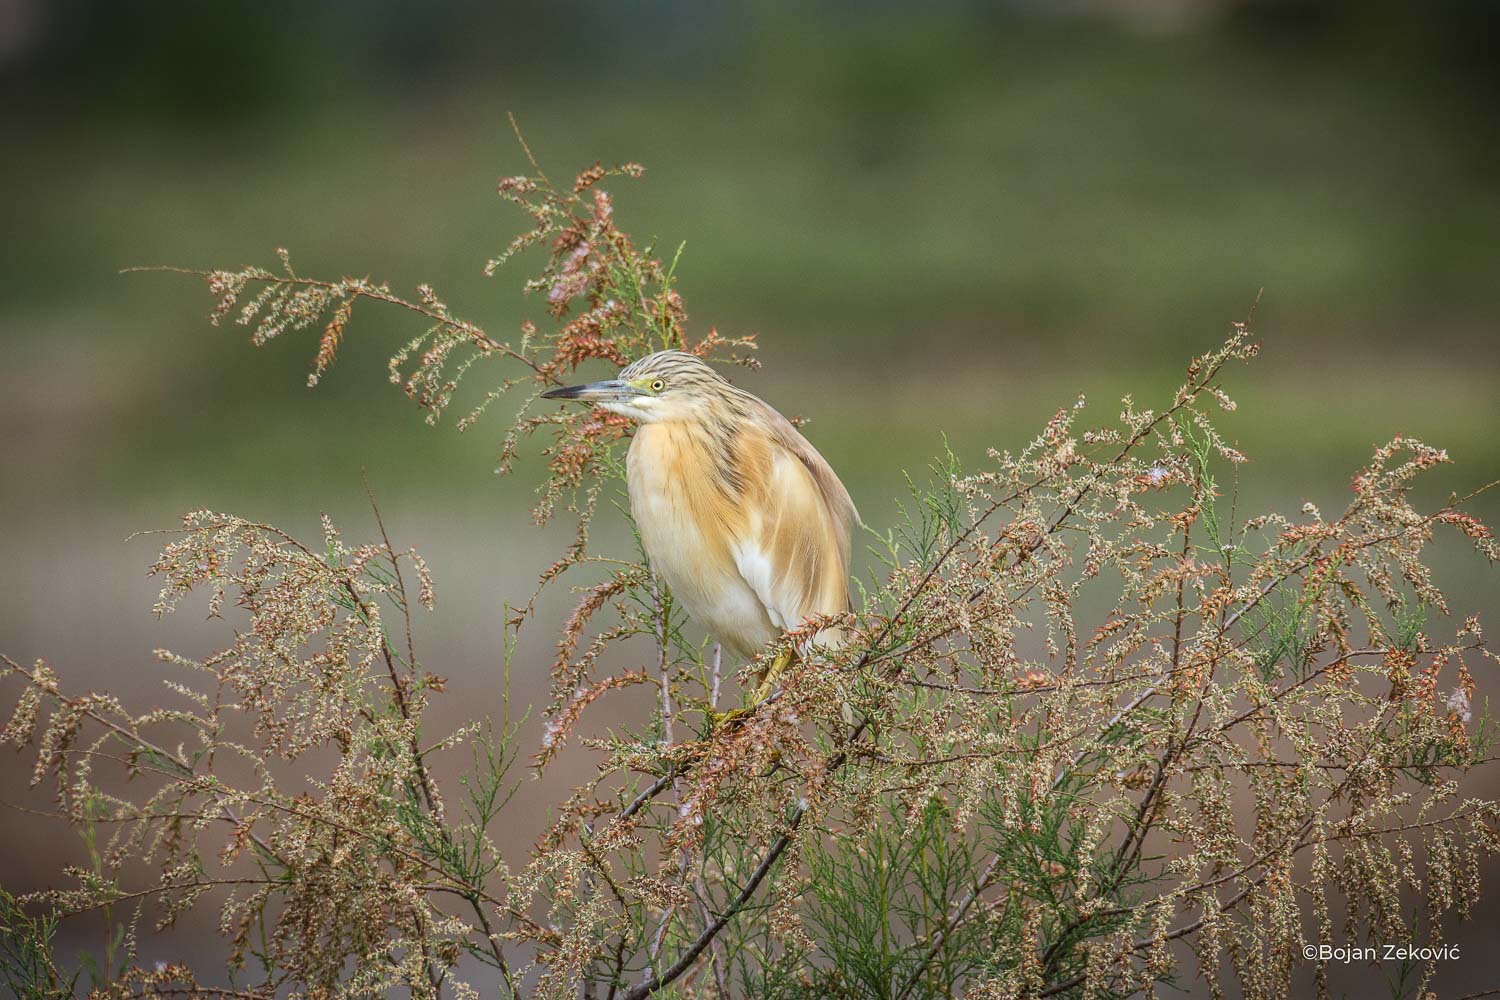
612,390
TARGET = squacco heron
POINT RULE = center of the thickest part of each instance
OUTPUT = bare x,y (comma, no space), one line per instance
739,514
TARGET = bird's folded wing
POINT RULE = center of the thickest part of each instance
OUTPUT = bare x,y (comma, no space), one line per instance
793,549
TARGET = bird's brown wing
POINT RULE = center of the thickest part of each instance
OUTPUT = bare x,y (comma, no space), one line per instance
835,496
793,549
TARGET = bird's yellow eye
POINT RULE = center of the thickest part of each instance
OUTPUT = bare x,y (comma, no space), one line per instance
657,385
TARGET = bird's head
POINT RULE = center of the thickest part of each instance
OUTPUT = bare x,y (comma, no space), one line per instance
667,385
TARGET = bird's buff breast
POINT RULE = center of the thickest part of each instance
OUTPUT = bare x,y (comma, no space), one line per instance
687,528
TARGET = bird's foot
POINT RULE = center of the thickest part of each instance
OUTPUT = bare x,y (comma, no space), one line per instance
719,722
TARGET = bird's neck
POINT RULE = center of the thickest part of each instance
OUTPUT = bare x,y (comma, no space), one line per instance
704,453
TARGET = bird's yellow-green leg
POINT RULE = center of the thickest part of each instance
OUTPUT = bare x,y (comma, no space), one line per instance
762,692
771,676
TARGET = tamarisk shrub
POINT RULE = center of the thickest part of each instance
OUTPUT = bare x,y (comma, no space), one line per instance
1095,730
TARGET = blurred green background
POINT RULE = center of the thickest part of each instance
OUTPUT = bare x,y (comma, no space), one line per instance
945,218
948,219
